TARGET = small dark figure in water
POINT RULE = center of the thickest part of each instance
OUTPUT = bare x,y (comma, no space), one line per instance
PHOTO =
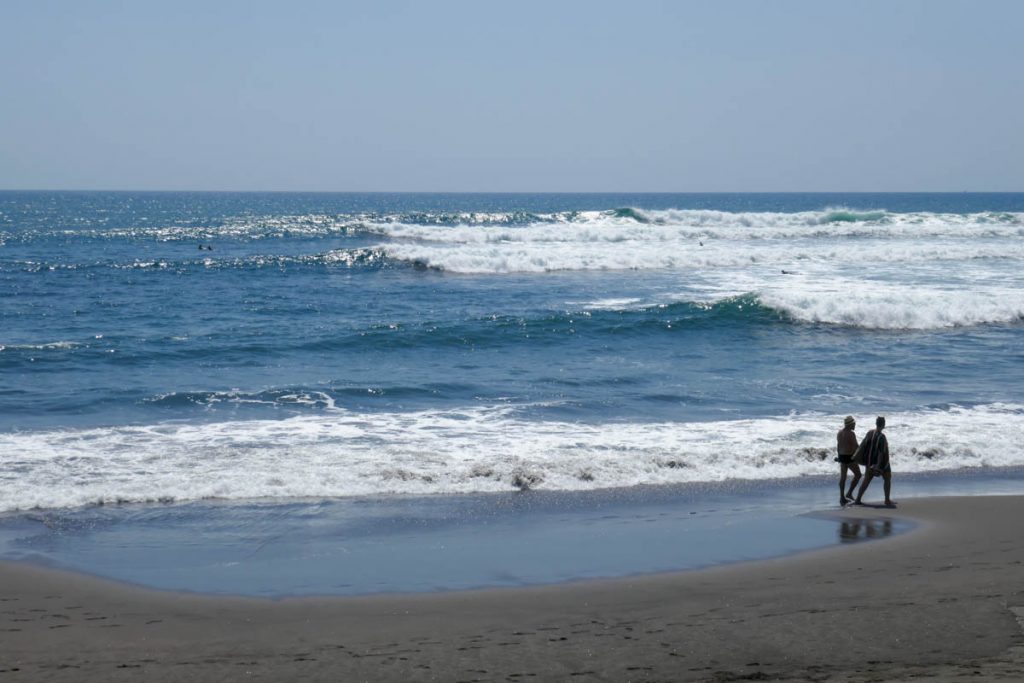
873,453
846,445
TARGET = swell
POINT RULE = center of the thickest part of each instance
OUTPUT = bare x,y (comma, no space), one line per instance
361,258
611,322
850,216
495,331
557,326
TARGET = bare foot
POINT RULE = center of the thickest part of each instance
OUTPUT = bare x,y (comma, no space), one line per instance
890,503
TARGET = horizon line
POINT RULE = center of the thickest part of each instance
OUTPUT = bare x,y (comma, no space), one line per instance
510,192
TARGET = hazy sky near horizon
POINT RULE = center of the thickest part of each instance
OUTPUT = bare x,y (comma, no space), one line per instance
895,95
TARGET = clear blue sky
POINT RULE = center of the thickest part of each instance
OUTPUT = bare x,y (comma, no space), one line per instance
512,96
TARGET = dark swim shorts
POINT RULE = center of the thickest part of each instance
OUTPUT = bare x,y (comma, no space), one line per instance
846,459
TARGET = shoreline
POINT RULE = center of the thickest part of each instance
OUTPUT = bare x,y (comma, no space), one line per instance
937,601
421,545
409,545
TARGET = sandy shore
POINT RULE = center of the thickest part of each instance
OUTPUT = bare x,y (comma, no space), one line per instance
941,602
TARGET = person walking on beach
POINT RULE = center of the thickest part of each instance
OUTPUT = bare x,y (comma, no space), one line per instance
846,445
873,453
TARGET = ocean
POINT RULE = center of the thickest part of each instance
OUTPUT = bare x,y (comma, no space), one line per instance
177,348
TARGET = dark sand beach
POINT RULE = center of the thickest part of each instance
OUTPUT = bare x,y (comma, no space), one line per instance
939,602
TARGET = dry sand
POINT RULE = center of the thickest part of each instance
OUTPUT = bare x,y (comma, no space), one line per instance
936,603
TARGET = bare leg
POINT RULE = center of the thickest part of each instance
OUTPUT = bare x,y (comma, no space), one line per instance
888,488
842,483
868,476
856,480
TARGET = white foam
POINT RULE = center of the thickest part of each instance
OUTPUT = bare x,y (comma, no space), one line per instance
613,304
474,450
685,254
883,271
892,306
673,225
61,345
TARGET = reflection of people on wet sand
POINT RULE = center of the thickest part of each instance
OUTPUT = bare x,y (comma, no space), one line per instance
849,531
846,444
853,530
876,530
873,453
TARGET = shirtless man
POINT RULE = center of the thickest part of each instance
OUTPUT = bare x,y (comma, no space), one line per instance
873,452
846,444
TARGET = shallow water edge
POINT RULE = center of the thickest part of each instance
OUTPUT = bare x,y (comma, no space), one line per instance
362,546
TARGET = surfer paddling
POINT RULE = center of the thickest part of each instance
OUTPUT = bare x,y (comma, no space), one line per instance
846,445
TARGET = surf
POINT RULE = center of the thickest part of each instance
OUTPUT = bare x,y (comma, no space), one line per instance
343,453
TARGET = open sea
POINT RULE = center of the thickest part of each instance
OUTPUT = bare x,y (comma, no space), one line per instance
275,349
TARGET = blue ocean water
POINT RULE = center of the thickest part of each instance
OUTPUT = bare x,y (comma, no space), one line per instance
239,346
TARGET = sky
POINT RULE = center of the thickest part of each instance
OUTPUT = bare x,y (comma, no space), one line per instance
488,96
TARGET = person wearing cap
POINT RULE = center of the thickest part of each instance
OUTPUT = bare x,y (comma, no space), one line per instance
846,445
873,453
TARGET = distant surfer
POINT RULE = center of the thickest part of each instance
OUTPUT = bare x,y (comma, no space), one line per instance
873,453
846,446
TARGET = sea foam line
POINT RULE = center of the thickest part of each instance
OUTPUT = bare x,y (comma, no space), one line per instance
343,453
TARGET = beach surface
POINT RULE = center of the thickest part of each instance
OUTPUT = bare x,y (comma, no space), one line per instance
944,601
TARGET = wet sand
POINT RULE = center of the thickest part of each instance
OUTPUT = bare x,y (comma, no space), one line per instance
941,602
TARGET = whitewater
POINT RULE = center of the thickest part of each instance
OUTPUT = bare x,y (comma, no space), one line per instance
342,454
173,347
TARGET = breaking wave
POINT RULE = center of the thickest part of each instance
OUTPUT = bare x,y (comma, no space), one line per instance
837,266
836,221
339,453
